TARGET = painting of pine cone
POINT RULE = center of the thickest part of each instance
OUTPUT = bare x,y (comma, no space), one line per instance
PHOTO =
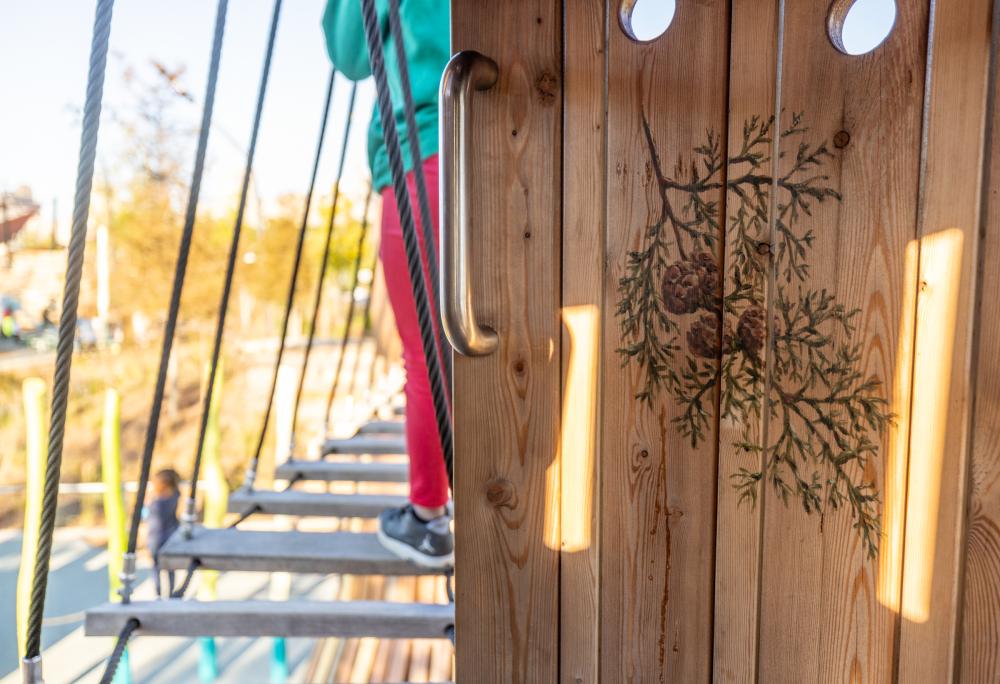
692,284
750,333
708,335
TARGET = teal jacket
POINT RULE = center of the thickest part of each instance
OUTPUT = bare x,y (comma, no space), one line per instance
426,38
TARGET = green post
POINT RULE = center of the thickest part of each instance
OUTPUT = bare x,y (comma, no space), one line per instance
114,506
216,491
36,443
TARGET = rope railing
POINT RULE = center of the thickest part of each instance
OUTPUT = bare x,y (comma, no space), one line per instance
227,287
32,666
324,263
251,474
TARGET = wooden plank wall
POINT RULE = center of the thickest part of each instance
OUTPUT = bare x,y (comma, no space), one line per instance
657,488
584,177
848,190
850,132
507,405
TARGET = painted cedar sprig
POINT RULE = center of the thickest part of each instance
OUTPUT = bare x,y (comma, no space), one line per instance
827,417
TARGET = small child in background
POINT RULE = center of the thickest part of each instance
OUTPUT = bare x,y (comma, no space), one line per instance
161,521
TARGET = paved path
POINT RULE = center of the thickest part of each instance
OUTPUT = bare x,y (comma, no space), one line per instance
79,580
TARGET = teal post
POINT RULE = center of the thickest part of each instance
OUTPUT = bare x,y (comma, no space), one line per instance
208,663
279,661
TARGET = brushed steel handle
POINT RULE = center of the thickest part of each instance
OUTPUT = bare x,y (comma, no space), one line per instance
466,71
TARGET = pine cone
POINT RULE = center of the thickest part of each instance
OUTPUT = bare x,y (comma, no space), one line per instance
708,336
750,332
681,288
692,284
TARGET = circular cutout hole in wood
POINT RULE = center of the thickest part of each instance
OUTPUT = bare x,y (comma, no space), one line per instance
856,27
646,20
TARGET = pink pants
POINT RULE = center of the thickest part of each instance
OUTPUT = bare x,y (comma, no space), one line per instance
428,478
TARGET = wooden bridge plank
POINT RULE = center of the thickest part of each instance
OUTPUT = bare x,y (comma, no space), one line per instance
286,551
840,621
293,618
346,471
364,444
293,502
383,427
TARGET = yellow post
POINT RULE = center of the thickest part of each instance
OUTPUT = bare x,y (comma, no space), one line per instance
215,486
111,475
36,443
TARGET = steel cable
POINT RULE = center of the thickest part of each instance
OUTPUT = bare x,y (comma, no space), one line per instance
179,272
290,301
67,320
324,261
350,312
428,334
231,263
119,650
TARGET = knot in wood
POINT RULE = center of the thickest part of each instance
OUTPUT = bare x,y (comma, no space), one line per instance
763,248
500,492
519,363
841,139
547,87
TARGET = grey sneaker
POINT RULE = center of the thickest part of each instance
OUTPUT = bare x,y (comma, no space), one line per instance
428,544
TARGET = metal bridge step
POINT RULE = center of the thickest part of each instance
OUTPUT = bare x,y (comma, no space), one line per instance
364,444
294,618
294,502
285,551
333,471
383,427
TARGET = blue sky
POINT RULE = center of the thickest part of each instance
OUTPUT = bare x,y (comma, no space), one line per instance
44,46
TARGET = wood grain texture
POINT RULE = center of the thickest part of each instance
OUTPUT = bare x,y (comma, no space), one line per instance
507,405
826,612
980,632
932,569
657,490
584,211
752,84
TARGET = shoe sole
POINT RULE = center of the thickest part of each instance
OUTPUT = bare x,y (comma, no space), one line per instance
407,552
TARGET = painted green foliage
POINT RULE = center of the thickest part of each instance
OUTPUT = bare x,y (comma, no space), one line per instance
826,419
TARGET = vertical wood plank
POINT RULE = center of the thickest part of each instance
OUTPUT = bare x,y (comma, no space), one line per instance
752,84
584,187
934,543
845,217
980,633
506,406
657,486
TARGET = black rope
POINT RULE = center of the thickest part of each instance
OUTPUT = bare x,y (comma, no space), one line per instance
350,311
289,303
234,247
182,589
179,273
245,514
366,324
423,201
67,320
324,262
116,655
428,335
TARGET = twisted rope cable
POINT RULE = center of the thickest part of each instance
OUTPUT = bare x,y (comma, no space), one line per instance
423,201
116,655
67,320
350,312
234,248
290,301
318,299
428,335
179,273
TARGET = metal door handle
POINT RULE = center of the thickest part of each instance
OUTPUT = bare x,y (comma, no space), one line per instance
467,71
